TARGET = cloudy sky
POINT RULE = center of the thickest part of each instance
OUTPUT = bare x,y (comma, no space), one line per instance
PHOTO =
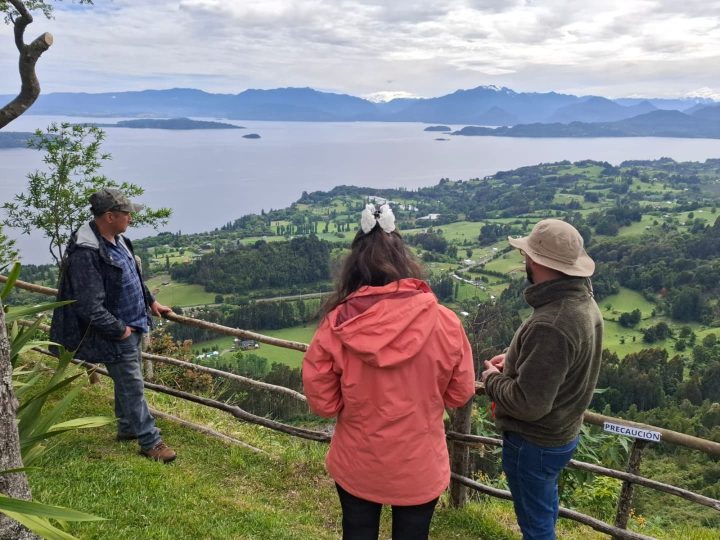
374,48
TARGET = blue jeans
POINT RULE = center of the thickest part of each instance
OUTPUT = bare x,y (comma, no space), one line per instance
532,473
131,409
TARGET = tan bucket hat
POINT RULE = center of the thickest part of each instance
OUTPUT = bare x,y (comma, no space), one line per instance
557,245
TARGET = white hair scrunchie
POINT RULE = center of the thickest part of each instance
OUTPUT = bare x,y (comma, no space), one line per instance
383,216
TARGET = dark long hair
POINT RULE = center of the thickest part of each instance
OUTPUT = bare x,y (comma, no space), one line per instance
376,259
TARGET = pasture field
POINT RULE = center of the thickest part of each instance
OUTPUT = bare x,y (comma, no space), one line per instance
173,293
507,263
625,301
280,355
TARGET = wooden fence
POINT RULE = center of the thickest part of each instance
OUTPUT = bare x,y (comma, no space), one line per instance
630,477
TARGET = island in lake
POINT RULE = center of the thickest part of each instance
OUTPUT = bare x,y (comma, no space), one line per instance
251,136
438,128
170,123
700,123
14,139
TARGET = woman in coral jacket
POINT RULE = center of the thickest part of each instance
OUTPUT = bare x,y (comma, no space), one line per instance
387,360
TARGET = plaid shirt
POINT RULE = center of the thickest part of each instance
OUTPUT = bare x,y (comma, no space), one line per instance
130,307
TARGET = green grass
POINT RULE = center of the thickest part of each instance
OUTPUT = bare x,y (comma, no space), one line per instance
507,263
453,232
467,291
218,491
638,228
213,490
178,294
625,301
280,355
292,358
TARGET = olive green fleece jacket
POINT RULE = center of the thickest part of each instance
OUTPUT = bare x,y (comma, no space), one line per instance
552,364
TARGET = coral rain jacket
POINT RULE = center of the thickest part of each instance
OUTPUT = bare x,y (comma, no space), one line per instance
387,362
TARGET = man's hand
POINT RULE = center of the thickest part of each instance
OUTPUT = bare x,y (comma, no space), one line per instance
498,361
489,368
127,333
157,309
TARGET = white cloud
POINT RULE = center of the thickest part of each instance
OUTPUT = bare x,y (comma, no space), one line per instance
705,92
365,47
379,97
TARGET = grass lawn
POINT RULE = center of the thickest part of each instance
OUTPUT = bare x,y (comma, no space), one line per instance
178,294
625,301
279,355
507,263
292,358
456,233
218,491
214,490
638,228
467,291
252,239
614,334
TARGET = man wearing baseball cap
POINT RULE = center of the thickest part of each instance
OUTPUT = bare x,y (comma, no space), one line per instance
110,313
545,380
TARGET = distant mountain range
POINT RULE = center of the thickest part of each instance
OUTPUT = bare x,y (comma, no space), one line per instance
484,105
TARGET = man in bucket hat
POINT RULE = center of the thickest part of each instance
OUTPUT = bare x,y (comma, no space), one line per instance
110,313
545,380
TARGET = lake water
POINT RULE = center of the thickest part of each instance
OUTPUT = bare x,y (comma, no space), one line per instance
212,177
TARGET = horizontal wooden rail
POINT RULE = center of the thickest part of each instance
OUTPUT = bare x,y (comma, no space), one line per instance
564,512
668,435
245,334
234,410
31,287
212,371
228,375
709,447
477,440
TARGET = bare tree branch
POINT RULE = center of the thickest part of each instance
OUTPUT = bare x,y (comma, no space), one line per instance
29,55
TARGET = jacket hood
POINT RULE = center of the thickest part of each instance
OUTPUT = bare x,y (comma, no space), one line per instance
87,236
386,326
549,291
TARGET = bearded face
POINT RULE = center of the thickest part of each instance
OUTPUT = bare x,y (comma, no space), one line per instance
528,270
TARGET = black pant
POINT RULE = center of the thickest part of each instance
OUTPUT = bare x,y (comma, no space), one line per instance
361,519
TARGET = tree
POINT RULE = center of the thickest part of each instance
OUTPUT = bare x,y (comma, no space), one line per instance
18,13
630,319
56,202
688,304
8,253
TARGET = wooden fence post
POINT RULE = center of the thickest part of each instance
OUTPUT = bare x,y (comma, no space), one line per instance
460,454
626,493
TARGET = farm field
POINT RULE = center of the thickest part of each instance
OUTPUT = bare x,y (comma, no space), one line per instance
292,358
173,293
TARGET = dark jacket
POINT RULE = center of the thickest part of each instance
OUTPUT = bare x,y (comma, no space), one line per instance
90,277
552,365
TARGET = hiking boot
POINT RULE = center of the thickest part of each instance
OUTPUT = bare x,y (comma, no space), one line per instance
127,436
160,452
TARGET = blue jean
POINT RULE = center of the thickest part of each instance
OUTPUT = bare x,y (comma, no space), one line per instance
532,473
131,409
